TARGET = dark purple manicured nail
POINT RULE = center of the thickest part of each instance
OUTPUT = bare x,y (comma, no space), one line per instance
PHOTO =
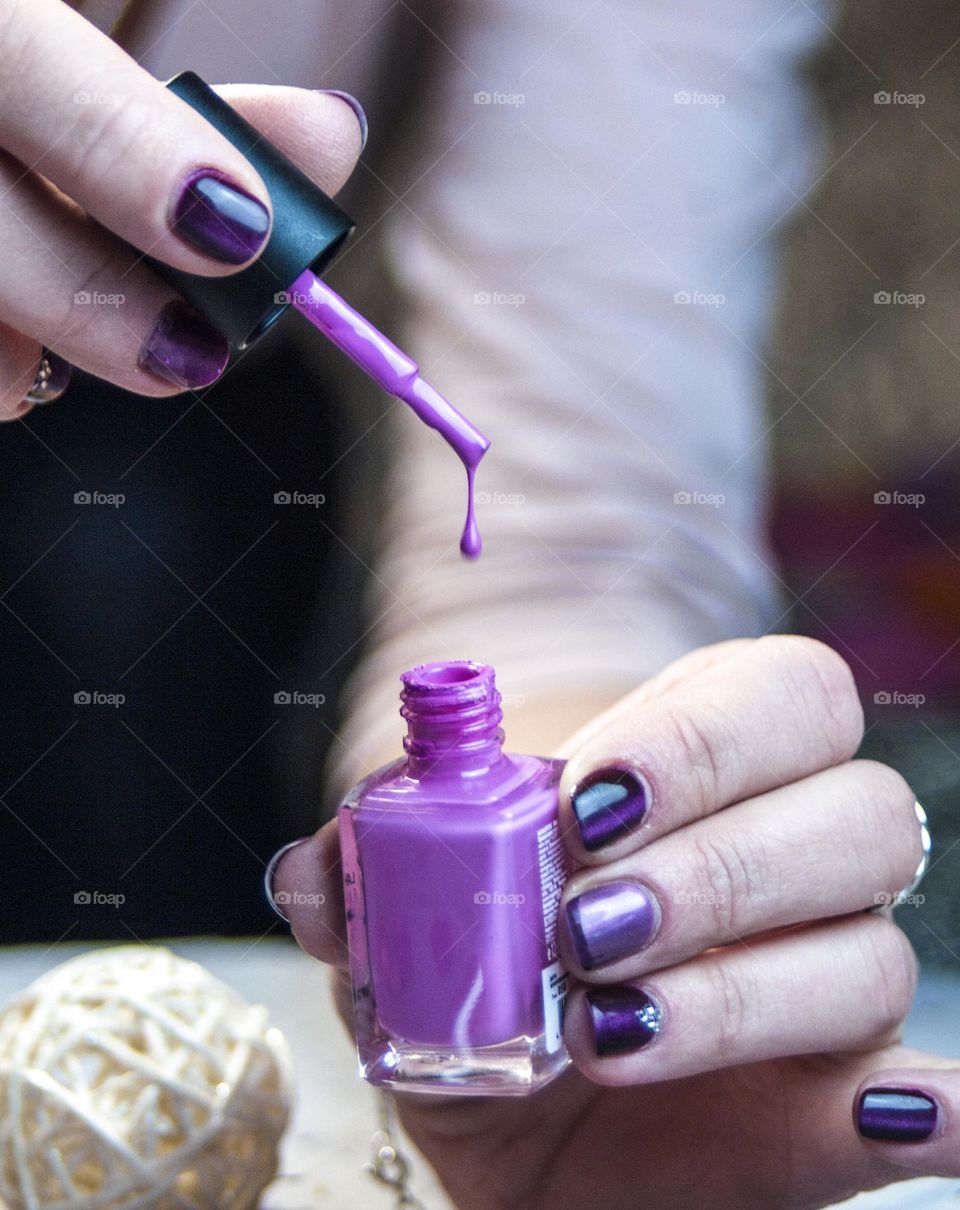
219,218
623,1019
183,348
897,1115
275,898
608,804
355,106
611,922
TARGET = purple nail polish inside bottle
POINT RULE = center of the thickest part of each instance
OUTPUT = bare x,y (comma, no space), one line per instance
453,869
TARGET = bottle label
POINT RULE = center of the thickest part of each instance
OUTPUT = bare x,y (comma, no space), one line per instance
553,873
554,998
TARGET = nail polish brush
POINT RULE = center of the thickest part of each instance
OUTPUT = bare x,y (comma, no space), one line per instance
309,229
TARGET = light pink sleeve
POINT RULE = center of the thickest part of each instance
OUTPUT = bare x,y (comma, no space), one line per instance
588,262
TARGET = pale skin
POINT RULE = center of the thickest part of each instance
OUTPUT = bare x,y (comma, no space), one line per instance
779,1009
94,153
781,1005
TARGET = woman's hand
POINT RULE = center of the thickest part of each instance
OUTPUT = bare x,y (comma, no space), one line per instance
100,164
732,1000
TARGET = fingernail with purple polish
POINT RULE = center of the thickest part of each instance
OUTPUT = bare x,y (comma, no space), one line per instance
896,1115
219,218
623,1018
608,804
184,348
611,922
270,872
355,106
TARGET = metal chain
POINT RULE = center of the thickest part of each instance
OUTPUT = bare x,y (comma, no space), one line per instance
390,1166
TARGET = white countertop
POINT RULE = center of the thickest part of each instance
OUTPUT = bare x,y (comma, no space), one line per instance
335,1115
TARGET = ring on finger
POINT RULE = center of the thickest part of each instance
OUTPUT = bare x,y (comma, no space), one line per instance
884,899
53,378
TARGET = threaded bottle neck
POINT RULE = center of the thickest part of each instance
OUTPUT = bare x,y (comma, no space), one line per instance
453,715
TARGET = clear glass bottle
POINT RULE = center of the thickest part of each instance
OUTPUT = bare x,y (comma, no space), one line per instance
453,868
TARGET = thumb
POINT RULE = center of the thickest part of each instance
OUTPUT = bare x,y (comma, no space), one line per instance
910,1116
303,884
323,133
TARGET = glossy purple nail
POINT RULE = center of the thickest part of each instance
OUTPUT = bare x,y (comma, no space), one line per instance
611,922
623,1019
355,106
896,1115
608,804
219,218
275,898
183,348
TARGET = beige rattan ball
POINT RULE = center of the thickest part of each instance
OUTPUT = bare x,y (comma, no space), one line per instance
130,1077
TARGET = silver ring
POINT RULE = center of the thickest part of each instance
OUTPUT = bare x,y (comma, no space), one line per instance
883,898
53,378
927,842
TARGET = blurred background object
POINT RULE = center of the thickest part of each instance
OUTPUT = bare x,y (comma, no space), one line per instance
865,406
129,1075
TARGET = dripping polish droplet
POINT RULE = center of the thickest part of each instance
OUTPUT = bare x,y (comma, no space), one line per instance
397,374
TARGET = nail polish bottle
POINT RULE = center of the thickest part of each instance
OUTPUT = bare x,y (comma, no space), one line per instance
453,868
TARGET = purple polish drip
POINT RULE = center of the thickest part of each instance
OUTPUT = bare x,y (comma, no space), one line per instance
399,375
470,542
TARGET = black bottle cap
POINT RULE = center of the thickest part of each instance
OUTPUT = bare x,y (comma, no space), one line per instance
308,230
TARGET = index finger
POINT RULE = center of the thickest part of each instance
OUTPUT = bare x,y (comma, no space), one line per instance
134,156
781,709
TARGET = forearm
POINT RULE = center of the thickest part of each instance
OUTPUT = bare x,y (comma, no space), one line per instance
622,501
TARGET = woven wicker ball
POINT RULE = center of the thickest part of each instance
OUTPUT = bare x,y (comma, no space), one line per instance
132,1078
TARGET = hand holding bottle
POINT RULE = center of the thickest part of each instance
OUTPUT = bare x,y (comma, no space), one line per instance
99,165
735,1017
